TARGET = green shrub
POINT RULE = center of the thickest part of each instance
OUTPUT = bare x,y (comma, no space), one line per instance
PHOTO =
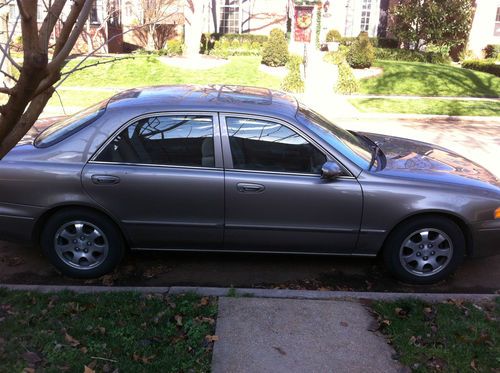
275,51
376,42
346,83
337,57
293,80
410,56
361,54
174,47
487,66
491,51
224,48
209,41
333,35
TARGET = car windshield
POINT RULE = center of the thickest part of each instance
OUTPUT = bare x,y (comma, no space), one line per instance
352,146
70,125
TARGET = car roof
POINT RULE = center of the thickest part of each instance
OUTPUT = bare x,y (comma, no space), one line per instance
224,98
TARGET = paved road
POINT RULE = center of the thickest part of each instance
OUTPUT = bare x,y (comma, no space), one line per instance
25,265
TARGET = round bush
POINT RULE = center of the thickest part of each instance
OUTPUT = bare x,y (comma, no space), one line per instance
293,80
275,51
361,54
333,35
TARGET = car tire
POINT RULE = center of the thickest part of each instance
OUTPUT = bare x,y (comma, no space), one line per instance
82,243
424,250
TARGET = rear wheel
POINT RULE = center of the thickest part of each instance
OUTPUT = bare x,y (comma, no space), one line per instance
82,243
425,250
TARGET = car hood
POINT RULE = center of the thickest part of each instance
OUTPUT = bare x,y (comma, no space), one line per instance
407,156
37,128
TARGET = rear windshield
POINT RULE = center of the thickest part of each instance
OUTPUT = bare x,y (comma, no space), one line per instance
70,125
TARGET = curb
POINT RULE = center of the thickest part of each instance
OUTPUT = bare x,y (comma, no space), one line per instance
258,293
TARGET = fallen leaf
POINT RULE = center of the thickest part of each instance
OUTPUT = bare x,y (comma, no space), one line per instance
211,338
31,358
204,301
72,341
84,350
101,329
473,365
88,370
143,359
29,370
178,320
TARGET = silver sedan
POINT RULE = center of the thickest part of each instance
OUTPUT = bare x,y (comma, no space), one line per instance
240,169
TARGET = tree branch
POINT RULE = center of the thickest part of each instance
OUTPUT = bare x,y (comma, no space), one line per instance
9,57
65,44
50,21
22,11
8,75
94,64
7,91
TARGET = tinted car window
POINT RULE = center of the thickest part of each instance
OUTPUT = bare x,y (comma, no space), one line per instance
180,140
70,125
268,146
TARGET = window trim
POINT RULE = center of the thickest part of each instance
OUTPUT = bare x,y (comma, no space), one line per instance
227,154
216,136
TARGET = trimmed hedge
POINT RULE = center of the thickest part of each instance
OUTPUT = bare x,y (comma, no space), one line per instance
227,41
275,51
411,56
293,80
487,66
333,35
376,42
225,48
174,47
361,53
346,83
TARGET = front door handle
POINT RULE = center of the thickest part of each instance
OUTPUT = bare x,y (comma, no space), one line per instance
248,187
105,179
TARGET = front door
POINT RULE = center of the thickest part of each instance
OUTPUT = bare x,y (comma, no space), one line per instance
276,200
162,177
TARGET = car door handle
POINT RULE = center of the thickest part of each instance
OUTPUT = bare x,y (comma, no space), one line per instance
247,187
105,179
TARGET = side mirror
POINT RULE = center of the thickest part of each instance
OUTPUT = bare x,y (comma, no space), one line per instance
330,170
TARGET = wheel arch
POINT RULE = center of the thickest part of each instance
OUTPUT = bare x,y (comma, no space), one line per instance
42,219
460,221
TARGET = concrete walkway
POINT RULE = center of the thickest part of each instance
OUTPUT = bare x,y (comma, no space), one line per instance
289,335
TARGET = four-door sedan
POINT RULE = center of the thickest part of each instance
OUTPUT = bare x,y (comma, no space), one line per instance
240,169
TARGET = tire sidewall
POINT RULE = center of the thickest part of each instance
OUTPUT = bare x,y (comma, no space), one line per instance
395,240
113,235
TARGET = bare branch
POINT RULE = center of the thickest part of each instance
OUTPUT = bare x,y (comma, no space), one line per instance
9,41
6,3
5,90
69,34
95,64
22,11
7,55
8,75
50,21
90,54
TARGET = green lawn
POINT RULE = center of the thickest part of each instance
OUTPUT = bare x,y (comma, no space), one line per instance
443,337
422,79
148,70
426,106
66,332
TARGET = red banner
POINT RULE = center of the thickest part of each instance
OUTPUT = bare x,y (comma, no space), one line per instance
303,23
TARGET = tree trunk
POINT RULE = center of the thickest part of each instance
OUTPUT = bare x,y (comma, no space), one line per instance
194,25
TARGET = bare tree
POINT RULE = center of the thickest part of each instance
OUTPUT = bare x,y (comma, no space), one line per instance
38,73
153,15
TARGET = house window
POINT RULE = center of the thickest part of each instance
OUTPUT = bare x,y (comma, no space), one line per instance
94,16
366,11
128,9
12,12
40,12
229,17
497,23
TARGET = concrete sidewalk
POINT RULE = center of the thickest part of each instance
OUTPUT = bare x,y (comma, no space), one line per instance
290,335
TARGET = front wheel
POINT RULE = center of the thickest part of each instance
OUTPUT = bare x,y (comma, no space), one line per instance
82,243
425,250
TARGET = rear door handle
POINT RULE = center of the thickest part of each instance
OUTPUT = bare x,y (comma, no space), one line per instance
105,179
248,187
